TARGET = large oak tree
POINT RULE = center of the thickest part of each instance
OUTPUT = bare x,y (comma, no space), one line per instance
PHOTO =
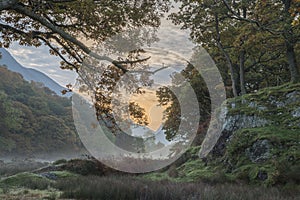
66,25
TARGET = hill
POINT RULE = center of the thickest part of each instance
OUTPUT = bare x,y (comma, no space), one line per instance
34,120
28,73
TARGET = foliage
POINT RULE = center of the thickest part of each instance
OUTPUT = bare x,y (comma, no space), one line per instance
276,105
31,117
167,98
65,26
276,167
280,168
252,41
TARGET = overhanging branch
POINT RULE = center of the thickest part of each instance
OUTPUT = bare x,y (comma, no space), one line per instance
21,9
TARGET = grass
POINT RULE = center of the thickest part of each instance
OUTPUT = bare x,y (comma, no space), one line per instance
226,177
124,187
24,193
26,179
150,186
64,174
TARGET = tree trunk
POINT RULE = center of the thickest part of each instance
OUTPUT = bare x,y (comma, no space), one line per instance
290,42
230,66
242,72
227,57
291,57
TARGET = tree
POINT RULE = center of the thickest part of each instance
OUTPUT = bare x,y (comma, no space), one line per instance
212,28
276,17
12,117
252,41
66,26
173,113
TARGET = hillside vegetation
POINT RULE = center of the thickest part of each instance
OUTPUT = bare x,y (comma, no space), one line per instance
33,119
259,143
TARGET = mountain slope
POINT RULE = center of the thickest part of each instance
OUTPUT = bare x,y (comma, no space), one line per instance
33,121
28,73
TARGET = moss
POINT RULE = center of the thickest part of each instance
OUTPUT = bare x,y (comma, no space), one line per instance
251,173
194,170
61,161
276,135
261,104
23,193
282,134
284,154
193,151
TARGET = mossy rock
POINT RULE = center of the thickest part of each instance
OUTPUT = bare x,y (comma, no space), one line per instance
276,104
283,155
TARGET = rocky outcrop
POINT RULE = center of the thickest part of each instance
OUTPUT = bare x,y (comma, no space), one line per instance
259,135
275,106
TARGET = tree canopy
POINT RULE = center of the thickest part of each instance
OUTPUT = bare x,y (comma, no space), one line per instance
257,41
68,26
249,40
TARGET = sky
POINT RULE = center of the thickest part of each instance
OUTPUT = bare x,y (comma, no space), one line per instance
40,59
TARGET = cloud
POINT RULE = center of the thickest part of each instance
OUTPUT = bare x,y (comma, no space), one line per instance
40,59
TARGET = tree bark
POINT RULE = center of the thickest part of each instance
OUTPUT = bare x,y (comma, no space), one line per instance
227,57
242,73
290,44
291,58
242,61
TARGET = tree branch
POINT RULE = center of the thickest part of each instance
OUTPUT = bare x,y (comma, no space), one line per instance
21,9
65,48
57,52
149,72
257,23
13,29
134,61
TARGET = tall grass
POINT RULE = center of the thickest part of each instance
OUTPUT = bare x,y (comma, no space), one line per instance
124,187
